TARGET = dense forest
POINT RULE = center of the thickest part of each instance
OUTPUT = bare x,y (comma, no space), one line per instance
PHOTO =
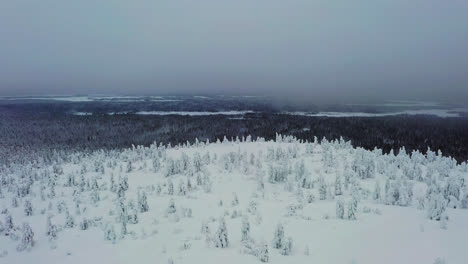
41,134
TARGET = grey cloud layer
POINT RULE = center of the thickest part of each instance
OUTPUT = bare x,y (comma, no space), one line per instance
302,48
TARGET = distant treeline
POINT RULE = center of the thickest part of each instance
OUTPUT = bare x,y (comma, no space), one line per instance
26,135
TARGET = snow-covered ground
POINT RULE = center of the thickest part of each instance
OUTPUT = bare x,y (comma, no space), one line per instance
98,213
193,113
434,112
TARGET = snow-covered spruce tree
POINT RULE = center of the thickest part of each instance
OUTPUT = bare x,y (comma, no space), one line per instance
235,199
171,208
278,237
9,226
51,229
263,253
28,208
436,207
221,236
182,188
170,187
69,221
286,249
322,188
352,208
245,229
14,202
109,233
129,166
27,239
464,199
142,202
338,189
132,213
84,224
340,208
377,193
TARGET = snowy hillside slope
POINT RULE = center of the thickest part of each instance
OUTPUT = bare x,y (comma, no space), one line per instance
238,201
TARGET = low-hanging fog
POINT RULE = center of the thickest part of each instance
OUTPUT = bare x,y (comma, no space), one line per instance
312,50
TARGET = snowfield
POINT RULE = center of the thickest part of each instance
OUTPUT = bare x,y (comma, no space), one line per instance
238,201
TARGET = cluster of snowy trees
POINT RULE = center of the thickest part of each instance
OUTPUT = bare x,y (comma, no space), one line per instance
63,193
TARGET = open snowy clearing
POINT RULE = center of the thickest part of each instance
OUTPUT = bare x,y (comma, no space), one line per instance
169,205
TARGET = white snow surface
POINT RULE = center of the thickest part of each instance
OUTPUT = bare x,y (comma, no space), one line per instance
195,113
435,112
381,234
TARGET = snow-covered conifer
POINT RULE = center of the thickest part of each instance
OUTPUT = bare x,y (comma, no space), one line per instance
263,253
221,236
340,208
322,188
69,221
142,202
28,208
109,233
286,249
436,207
338,188
171,208
245,229
377,193
27,239
278,237
352,208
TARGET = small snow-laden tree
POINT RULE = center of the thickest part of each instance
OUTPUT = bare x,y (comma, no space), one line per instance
453,187
245,229
129,166
464,199
95,197
132,213
113,187
197,162
322,188
14,202
94,184
122,187
286,249
235,199
436,207
278,236
182,188
156,164
170,167
170,187
121,209
109,233
28,208
206,158
352,208
171,208
84,224
9,226
51,229
69,221
348,175
263,253
142,202
27,239
340,208
338,189
300,170
377,195
221,236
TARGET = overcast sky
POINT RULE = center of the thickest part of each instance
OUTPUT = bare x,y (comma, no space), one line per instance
315,49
